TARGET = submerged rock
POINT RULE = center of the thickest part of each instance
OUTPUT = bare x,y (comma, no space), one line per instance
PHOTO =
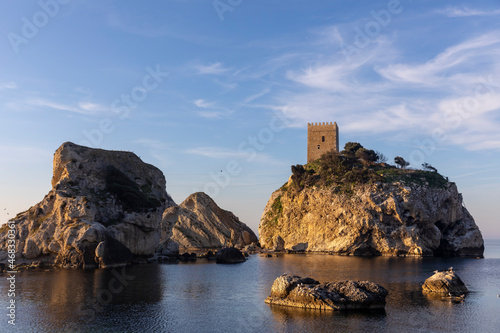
445,282
198,223
97,196
229,255
308,293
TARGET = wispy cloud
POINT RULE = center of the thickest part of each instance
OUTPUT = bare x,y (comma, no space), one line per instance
466,12
210,109
377,94
86,108
201,103
8,85
456,59
213,69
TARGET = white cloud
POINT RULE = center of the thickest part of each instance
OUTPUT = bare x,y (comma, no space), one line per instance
466,12
213,69
8,85
86,108
458,58
201,103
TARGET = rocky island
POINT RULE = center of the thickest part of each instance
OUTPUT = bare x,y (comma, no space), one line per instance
109,208
308,293
352,203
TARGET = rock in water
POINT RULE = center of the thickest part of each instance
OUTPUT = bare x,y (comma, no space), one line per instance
307,293
198,223
229,255
96,196
386,217
445,282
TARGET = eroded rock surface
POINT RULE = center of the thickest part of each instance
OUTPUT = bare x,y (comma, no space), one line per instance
96,195
308,293
198,223
371,219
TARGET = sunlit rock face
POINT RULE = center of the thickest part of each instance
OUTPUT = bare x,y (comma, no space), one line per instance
199,223
96,195
372,219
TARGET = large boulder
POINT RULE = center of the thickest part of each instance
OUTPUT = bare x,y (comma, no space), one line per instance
445,282
308,293
421,214
198,223
112,253
96,195
229,255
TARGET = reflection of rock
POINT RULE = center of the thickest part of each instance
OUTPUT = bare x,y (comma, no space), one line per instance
310,294
445,282
229,255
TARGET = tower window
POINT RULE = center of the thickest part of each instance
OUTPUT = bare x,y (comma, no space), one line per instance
322,139
318,146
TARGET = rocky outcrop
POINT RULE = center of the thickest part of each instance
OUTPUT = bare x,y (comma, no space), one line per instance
229,255
307,293
198,223
112,253
382,218
97,196
445,282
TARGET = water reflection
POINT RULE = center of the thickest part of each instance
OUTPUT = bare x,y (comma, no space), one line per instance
206,297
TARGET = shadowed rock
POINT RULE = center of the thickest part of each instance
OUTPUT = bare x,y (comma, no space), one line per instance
229,255
307,293
112,253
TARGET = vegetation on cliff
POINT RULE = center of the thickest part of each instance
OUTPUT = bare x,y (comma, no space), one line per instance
357,165
355,203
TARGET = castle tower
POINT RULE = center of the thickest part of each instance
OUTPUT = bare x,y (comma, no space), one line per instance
321,138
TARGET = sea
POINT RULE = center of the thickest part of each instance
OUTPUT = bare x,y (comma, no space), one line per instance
209,297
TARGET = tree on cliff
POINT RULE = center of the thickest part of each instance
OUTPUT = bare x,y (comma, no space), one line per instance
428,167
401,162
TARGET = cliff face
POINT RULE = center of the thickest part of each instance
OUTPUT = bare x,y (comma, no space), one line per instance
372,219
96,195
198,223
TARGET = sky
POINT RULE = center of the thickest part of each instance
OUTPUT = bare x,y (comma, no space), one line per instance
218,94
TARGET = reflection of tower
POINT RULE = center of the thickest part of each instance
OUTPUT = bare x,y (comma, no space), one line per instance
321,138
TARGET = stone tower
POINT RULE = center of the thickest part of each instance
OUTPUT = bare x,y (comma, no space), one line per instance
321,138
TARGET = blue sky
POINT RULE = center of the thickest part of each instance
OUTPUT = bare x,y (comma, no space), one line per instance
218,94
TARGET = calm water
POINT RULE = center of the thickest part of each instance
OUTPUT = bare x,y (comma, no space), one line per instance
206,297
